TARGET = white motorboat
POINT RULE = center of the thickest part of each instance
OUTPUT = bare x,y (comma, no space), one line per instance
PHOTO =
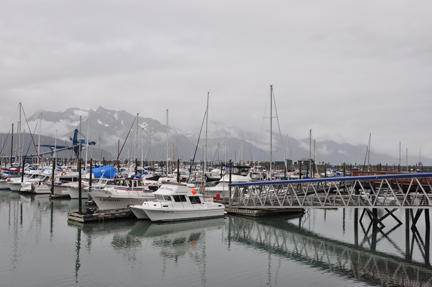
97,183
239,174
15,184
125,192
177,202
12,172
31,184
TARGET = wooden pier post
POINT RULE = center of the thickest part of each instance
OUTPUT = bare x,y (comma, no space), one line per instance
52,176
178,170
229,188
407,236
79,188
91,174
136,166
300,170
22,169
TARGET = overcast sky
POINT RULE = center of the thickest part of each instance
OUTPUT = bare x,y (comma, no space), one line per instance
344,69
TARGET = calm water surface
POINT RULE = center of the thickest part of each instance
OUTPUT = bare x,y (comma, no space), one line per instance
40,247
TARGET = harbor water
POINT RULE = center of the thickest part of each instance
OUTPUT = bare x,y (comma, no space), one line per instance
40,247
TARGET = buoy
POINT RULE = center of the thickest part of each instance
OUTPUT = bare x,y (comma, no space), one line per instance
193,191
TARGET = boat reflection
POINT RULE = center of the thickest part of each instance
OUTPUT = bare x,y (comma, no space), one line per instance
73,205
176,239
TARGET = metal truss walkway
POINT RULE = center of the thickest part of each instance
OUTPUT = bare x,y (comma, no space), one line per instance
411,190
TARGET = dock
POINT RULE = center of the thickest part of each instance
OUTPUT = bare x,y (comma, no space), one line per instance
261,212
100,215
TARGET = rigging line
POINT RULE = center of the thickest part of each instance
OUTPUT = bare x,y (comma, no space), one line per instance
280,134
199,136
126,139
30,143
196,147
34,144
4,143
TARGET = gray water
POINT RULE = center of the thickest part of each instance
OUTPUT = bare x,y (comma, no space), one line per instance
40,247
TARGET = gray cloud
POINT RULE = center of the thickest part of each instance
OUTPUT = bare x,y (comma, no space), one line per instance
341,68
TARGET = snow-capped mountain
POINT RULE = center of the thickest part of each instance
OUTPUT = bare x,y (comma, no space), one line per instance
115,131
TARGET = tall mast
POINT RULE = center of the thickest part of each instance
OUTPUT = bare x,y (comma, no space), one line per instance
11,146
136,138
205,150
55,146
310,153
87,143
19,135
142,151
79,141
167,141
271,130
40,124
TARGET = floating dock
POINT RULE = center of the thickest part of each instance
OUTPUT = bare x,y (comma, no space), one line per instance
100,215
254,212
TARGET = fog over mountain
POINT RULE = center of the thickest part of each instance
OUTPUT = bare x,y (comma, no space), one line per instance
115,131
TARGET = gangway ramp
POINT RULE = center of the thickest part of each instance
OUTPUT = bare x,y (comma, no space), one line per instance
412,190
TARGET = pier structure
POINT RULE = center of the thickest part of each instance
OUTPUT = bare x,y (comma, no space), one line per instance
357,261
390,191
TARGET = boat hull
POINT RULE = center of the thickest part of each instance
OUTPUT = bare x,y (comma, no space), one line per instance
156,213
113,202
74,193
138,212
4,185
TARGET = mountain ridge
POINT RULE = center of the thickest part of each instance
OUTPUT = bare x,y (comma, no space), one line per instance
115,130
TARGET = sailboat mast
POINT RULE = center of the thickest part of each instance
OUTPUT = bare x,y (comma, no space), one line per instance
167,141
271,130
79,143
11,146
19,135
40,126
87,143
205,149
136,138
310,153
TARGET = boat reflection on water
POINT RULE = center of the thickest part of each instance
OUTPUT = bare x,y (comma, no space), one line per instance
173,239
73,205
176,239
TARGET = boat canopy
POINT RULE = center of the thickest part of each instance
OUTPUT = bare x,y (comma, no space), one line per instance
104,172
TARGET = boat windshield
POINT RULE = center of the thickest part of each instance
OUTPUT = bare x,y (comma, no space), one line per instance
194,199
163,197
179,198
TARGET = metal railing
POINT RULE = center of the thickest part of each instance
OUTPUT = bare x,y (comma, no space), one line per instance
412,190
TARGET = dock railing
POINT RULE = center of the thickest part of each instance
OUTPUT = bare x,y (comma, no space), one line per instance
408,190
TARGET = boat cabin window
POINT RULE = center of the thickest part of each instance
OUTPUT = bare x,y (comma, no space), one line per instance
194,199
179,198
163,197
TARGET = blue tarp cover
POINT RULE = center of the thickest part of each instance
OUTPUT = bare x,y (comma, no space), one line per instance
104,171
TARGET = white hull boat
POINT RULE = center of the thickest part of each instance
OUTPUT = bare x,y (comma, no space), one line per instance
117,197
3,184
177,202
74,192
